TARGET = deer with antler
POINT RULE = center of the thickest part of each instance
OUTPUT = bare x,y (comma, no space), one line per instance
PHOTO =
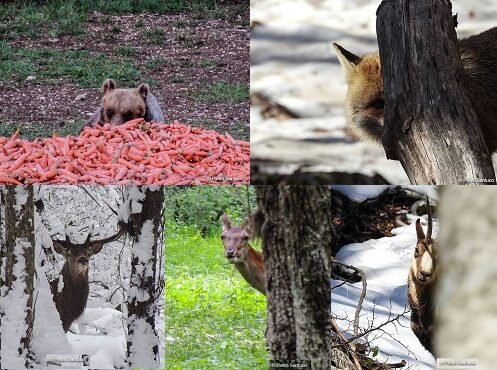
71,300
421,283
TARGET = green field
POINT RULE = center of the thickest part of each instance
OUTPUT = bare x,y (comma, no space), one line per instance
214,319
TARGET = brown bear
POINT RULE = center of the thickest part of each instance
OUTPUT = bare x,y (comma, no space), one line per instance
122,105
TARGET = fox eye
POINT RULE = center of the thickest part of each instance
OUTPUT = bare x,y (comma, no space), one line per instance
378,104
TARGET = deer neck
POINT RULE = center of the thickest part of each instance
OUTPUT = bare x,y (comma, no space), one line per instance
74,280
252,270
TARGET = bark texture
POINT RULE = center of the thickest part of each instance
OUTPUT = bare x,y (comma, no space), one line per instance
467,290
143,310
430,124
18,209
296,239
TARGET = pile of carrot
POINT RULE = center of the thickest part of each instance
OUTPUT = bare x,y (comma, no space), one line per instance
135,153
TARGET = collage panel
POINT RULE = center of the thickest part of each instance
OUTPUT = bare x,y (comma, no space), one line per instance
124,92
82,277
325,110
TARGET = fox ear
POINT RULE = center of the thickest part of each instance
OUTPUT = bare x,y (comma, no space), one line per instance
348,60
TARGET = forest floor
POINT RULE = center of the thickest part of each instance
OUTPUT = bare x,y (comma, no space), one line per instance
214,319
54,58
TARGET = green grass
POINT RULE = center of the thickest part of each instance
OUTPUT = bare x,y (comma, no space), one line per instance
189,40
78,66
221,92
155,36
39,131
157,63
55,18
208,63
125,51
214,319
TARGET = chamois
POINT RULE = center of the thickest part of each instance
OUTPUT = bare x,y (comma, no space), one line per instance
238,251
71,301
421,283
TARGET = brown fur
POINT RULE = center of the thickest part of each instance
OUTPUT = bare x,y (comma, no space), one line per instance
238,251
420,283
122,105
364,111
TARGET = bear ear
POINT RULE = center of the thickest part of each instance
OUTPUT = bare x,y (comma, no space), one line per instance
144,89
109,84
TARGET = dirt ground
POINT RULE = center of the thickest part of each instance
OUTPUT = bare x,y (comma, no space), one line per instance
197,52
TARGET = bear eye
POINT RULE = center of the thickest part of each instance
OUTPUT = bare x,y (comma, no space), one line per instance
378,104
110,113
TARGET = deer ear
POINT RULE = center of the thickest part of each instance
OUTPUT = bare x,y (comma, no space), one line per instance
348,60
59,247
246,224
419,231
95,247
225,222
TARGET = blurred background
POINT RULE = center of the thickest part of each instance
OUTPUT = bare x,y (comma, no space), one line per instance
298,88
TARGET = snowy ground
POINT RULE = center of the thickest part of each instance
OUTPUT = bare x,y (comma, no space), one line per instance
292,61
385,263
101,332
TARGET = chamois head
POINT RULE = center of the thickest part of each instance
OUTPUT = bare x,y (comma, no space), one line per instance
235,239
424,264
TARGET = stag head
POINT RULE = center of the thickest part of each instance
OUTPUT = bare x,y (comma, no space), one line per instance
235,239
77,256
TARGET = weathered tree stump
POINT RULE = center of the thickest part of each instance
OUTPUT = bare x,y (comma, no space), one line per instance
430,124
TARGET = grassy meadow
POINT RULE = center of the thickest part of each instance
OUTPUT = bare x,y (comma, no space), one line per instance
214,319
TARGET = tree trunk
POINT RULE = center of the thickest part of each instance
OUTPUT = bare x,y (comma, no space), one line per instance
17,273
467,292
430,123
296,239
143,292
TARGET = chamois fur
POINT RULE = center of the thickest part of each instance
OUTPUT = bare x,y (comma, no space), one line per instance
421,282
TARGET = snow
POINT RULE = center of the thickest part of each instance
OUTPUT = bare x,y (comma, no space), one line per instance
101,331
293,62
385,263
13,306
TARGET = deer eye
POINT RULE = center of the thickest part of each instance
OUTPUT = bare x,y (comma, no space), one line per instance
416,252
245,237
110,113
223,237
377,104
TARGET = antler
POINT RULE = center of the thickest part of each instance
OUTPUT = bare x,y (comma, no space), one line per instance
110,238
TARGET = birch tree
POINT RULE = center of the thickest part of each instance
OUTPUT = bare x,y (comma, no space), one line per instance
143,211
17,275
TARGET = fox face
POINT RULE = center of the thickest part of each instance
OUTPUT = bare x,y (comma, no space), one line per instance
364,105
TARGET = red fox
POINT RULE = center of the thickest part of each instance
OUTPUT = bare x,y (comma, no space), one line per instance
364,103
